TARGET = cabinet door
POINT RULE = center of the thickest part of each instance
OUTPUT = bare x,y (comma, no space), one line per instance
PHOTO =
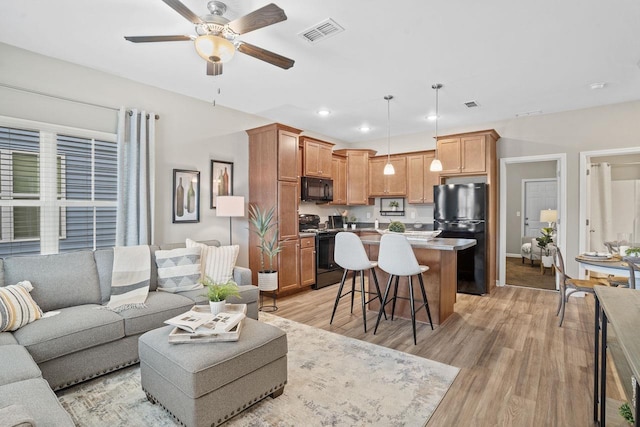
473,154
415,178
287,156
317,159
289,265
288,209
377,185
449,154
357,179
307,261
339,175
324,161
396,184
430,178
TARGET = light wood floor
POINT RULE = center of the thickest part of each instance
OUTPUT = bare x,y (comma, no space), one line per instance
518,368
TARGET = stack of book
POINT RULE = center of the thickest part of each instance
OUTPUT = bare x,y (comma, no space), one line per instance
198,325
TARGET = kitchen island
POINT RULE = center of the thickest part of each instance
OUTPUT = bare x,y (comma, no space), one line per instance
440,281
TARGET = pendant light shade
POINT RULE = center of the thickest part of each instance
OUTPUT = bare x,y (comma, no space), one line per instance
436,164
388,168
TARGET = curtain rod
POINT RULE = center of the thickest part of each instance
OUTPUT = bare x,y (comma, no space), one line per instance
48,95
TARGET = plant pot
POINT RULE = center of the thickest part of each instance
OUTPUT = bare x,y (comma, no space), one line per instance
268,280
394,208
547,261
217,306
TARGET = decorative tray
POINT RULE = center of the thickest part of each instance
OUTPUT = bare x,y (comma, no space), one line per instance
415,235
178,336
602,257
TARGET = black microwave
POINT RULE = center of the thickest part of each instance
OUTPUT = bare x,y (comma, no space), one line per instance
316,189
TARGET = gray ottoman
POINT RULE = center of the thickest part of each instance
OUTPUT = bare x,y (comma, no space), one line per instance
205,384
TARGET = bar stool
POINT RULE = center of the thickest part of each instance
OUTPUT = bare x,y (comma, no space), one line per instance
349,254
396,257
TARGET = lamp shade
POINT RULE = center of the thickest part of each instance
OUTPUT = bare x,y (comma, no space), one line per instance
436,165
230,206
214,48
548,215
388,169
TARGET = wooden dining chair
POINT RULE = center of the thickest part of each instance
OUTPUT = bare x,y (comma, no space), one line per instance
568,285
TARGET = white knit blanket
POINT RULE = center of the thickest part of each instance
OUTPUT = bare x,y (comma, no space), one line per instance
130,277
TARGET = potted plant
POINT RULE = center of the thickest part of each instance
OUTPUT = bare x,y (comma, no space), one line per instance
219,292
267,231
544,244
397,227
393,205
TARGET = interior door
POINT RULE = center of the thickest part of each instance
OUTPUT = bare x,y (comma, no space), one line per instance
538,195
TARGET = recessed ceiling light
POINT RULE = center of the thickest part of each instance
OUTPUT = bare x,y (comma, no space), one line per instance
432,117
324,112
599,85
364,128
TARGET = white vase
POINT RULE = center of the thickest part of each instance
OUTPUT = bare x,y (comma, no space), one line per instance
547,261
268,280
217,306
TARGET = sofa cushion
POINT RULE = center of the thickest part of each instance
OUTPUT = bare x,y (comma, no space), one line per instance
49,410
60,280
160,307
104,265
7,338
73,329
22,365
178,269
17,308
217,261
16,416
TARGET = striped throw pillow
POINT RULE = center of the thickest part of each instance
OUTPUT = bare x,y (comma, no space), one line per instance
178,270
217,261
17,308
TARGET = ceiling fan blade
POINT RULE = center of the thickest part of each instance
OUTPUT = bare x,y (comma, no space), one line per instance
214,68
184,11
267,15
265,55
151,39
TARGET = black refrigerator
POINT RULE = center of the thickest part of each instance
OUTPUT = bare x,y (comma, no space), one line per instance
460,212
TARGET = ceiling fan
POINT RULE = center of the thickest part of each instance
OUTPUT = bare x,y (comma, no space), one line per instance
217,37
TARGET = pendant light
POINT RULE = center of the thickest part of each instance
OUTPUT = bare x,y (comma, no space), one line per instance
388,168
436,164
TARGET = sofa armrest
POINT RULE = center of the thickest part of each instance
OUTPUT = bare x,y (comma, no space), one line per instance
242,275
16,416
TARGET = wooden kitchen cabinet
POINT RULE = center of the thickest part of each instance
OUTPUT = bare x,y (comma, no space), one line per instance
274,182
317,157
381,185
339,176
307,261
465,153
420,180
289,266
357,176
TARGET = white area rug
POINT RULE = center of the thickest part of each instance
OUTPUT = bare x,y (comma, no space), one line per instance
333,381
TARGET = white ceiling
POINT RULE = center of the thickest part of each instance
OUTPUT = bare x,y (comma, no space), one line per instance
509,56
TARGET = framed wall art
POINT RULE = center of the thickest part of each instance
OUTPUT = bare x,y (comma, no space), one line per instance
221,180
186,196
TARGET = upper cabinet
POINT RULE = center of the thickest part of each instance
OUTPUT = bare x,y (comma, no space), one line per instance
381,185
357,176
316,157
339,176
466,153
420,180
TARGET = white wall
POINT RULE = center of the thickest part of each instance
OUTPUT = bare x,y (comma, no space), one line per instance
189,132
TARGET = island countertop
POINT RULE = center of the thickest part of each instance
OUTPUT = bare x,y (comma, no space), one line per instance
440,244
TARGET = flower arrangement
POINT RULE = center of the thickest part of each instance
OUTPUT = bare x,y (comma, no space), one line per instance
220,291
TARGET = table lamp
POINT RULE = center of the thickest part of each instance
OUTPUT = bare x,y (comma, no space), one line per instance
549,216
230,206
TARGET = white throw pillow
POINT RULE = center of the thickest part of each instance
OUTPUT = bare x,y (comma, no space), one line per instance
217,261
17,308
179,269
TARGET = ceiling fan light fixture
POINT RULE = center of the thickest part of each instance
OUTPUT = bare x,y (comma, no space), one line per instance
214,48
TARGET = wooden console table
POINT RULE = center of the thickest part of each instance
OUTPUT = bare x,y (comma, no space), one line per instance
618,308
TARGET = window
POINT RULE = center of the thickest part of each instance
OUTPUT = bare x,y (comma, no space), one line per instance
58,188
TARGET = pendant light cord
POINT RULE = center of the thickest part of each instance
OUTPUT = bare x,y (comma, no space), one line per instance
388,98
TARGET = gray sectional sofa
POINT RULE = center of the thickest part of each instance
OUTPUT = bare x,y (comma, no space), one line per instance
82,341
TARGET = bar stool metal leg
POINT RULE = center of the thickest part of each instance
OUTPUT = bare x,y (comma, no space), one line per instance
363,298
413,310
353,289
339,295
375,281
426,302
383,304
395,297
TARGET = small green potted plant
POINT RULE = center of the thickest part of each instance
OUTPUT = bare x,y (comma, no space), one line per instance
266,229
397,227
219,292
635,252
393,205
544,243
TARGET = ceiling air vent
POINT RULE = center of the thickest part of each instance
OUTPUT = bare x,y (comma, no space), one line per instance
471,104
321,31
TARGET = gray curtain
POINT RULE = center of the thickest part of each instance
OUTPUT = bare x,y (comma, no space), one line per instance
136,180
